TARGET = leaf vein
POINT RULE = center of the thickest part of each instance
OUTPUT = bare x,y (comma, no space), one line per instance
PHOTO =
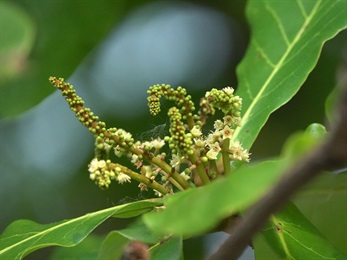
276,69
302,9
279,23
263,54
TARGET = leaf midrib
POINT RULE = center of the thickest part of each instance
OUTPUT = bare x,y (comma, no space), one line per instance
55,227
276,68
111,211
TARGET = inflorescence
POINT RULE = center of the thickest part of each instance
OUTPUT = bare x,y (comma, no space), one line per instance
195,157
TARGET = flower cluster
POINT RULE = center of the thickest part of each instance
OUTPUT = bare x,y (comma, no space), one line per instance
224,132
102,172
225,101
179,96
194,157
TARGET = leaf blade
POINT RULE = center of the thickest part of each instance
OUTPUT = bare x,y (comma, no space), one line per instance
294,237
272,71
230,195
24,236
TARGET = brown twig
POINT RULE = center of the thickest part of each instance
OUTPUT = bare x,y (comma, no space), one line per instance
332,153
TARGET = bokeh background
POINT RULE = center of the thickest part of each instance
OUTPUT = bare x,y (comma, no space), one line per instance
112,51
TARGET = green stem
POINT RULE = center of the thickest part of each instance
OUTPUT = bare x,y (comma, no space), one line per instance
176,184
190,121
199,169
141,178
175,175
97,127
176,179
225,156
213,168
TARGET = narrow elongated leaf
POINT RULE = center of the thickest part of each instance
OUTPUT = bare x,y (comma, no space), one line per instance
115,242
24,236
294,237
287,38
168,250
323,202
198,210
139,231
113,246
87,249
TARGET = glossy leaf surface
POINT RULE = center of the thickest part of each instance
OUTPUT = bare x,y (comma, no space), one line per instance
232,194
198,210
292,236
287,38
323,202
170,249
24,236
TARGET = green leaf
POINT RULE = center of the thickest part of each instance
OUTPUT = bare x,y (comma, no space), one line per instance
330,104
287,38
170,249
17,38
139,231
24,236
323,202
198,210
113,246
137,208
298,144
87,249
232,194
294,237
44,59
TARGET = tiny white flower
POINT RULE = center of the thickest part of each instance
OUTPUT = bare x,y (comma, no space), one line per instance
228,90
93,166
134,158
92,176
122,178
213,152
236,121
147,145
215,147
142,186
211,155
235,146
213,137
238,153
175,161
185,176
126,135
157,193
245,155
228,120
227,132
158,143
218,124
196,132
199,142
101,164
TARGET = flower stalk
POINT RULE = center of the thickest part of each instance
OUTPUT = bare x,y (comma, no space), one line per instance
197,155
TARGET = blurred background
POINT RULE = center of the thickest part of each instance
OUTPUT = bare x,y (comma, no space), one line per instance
112,51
